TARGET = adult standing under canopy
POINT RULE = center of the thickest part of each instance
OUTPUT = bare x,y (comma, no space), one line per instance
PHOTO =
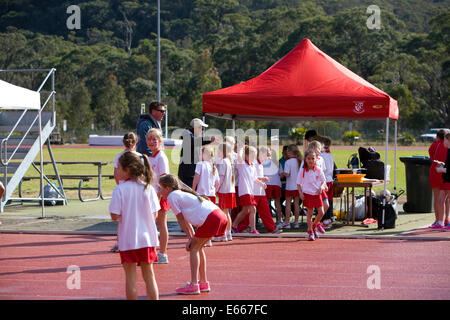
190,150
147,121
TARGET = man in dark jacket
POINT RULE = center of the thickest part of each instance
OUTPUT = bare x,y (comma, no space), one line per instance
190,150
148,121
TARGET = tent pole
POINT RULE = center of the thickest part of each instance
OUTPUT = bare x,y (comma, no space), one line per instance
41,163
385,172
395,155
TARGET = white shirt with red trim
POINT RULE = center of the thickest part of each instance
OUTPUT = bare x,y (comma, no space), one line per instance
193,211
160,166
310,180
135,205
291,167
272,171
257,189
226,173
207,179
247,177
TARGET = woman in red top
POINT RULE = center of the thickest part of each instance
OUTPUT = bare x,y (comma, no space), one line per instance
438,151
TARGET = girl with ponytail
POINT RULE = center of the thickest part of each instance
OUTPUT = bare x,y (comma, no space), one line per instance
192,209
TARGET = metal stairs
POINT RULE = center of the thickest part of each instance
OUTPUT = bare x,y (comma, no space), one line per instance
22,141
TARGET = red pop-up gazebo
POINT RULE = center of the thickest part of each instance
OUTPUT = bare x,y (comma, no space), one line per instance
306,84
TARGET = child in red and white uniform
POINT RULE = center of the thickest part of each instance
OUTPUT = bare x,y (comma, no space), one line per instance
311,182
290,171
273,190
134,204
259,194
226,191
247,180
316,146
160,166
191,209
328,170
206,179
129,143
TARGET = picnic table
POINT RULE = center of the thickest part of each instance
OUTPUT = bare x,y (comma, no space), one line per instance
81,177
350,190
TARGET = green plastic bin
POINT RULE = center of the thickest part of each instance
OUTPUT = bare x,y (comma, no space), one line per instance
419,197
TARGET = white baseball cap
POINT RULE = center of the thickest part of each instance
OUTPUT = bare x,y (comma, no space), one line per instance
196,122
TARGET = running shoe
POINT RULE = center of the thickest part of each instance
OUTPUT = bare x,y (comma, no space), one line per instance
188,288
229,236
234,229
208,244
162,258
432,225
311,237
115,249
316,235
204,286
436,226
286,225
254,232
320,228
447,228
447,223
296,225
219,239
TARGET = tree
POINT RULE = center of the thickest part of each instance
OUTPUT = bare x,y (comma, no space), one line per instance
80,114
112,104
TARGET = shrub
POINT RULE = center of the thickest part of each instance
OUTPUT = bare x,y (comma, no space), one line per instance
351,137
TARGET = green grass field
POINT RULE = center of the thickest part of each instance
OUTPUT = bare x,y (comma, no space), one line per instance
31,188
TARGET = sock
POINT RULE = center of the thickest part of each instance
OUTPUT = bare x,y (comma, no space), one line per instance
441,223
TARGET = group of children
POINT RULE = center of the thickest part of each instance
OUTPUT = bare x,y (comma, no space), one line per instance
243,178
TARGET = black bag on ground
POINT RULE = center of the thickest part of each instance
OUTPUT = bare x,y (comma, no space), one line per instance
389,214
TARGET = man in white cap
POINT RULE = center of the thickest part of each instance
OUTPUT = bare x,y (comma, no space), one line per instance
190,150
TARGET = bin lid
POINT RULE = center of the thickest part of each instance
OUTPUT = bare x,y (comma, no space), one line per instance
416,160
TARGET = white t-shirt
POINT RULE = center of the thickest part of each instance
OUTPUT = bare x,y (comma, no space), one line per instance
137,228
207,179
160,166
247,177
116,158
291,167
226,173
257,189
310,180
329,165
272,171
194,211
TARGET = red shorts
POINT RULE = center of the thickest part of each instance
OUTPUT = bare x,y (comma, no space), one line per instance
227,200
212,198
214,225
445,186
312,201
290,193
273,192
247,200
164,204
147,254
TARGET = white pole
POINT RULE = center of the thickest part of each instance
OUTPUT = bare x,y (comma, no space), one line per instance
41,156
395,156
385,171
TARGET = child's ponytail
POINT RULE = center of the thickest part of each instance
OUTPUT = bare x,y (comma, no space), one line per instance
149,174
172,181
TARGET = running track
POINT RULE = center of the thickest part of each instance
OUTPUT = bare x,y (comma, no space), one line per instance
34,266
